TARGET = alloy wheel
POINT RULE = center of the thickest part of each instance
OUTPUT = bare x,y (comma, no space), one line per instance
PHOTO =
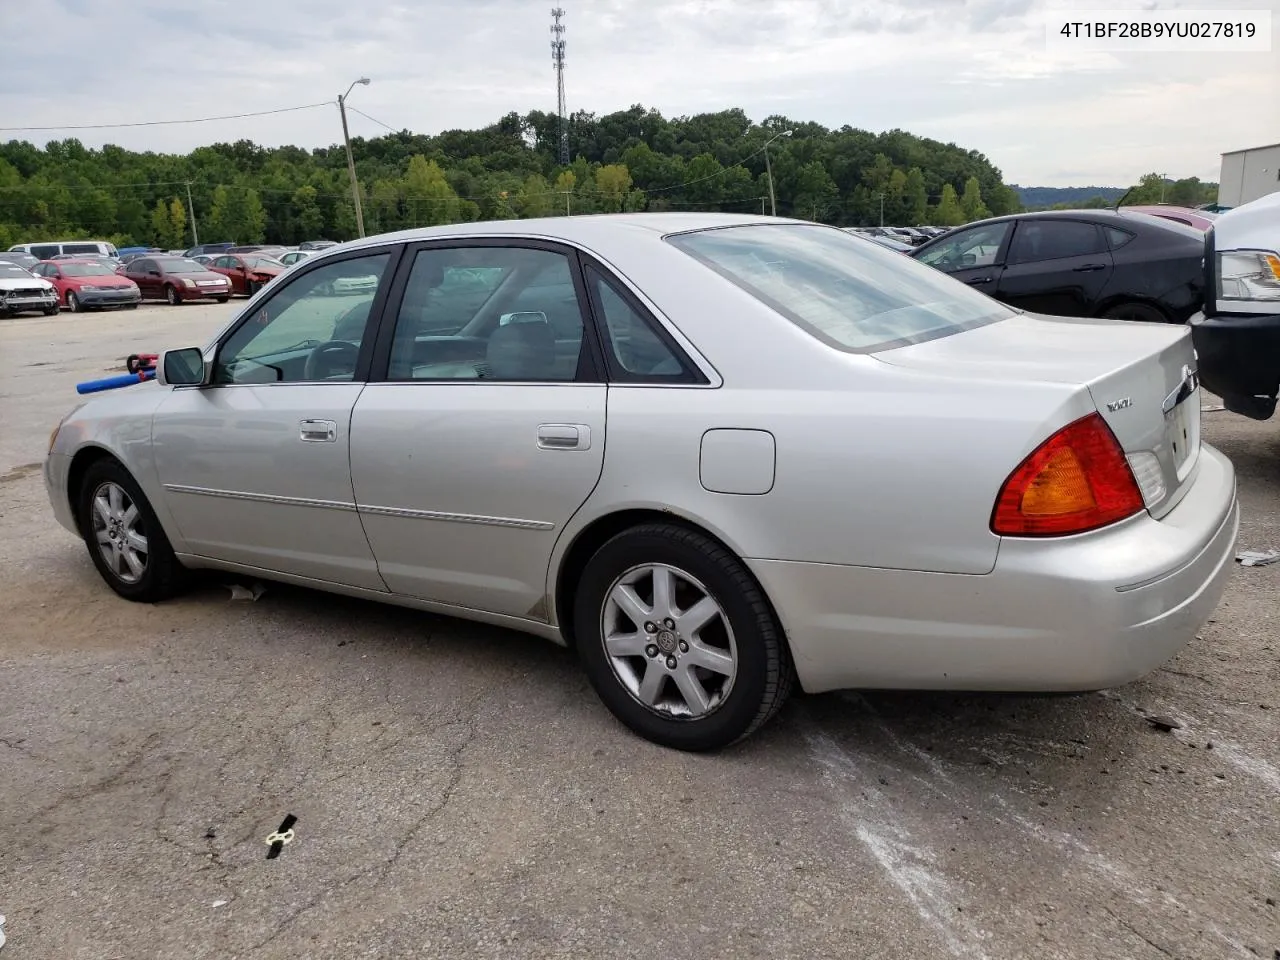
117,531
669,641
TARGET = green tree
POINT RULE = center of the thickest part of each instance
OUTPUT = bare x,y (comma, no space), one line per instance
237,215
177,223
535,199
307,207
563,190
948,212
971,203
425,187
168,225
915,198
613,183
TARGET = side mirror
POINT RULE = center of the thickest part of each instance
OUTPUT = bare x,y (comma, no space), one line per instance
181,368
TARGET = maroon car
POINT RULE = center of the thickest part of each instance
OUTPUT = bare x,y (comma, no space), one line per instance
176,279
248,272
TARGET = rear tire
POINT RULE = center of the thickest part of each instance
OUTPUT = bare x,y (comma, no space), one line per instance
123,536
172,296
1133,310
672,679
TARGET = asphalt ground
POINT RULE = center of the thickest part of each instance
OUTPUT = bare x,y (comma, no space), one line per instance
460,792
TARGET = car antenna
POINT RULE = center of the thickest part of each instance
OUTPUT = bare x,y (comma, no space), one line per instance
1123,198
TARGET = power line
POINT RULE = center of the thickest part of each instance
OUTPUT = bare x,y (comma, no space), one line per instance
374,119
160,123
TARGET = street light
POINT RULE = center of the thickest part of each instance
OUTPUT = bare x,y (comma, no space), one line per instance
773,201
351,163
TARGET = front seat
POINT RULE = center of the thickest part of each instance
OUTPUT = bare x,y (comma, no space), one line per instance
522,351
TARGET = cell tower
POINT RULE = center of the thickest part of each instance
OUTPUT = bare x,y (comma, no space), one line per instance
557,57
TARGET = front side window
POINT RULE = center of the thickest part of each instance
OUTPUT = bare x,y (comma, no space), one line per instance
144,266
304,333
978,247
488,313
852,295
1037,240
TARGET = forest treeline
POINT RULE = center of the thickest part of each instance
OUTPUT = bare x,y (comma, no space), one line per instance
634,159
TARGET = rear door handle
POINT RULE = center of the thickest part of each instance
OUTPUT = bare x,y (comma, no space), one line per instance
1089,267
564,436
318,431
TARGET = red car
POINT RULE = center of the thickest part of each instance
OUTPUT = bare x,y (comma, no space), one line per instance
87,284
1200,219
248,272
175,279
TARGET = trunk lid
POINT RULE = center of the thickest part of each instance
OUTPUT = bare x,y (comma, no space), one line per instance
1140,377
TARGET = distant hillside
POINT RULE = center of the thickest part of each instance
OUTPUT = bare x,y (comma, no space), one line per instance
1048,196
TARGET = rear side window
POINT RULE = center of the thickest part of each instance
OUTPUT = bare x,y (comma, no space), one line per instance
1117,237
80,248
45,251
850,294
1037,240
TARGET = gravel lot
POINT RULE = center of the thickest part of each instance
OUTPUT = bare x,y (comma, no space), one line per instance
460,792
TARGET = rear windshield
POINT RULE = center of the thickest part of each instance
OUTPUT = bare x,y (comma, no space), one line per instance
9,271
86,270
853,295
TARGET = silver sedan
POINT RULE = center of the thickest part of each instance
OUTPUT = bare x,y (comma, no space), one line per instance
717,455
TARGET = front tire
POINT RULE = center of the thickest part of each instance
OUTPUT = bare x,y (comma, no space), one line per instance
124,538
172,296
678,639
223,299
73,302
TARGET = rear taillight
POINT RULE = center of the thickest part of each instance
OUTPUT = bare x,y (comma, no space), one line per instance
1077,480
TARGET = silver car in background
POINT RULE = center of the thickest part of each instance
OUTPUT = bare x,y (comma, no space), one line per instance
715,454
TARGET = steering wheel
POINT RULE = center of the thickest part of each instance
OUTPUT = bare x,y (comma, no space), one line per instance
322,360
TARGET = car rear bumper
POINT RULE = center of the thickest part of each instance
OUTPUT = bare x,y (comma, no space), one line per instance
1239,359
1080,613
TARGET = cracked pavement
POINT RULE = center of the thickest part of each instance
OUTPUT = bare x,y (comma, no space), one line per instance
460,791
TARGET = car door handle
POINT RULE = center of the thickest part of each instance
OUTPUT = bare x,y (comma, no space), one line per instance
977,280
1089,267
564,436
318,431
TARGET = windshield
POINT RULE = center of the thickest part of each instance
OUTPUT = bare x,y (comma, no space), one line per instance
86,270
181,266
850,294
10,272
263,262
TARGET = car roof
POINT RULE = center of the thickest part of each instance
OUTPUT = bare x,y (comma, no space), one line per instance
583,229
97,261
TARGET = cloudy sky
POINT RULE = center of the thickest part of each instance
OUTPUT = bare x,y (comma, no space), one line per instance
976,72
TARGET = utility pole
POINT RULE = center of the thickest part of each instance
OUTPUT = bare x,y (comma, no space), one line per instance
557,57
768,168
1163,178
191,209
567,195
351,163
881,209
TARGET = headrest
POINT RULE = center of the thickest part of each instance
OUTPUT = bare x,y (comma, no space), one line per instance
522,351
